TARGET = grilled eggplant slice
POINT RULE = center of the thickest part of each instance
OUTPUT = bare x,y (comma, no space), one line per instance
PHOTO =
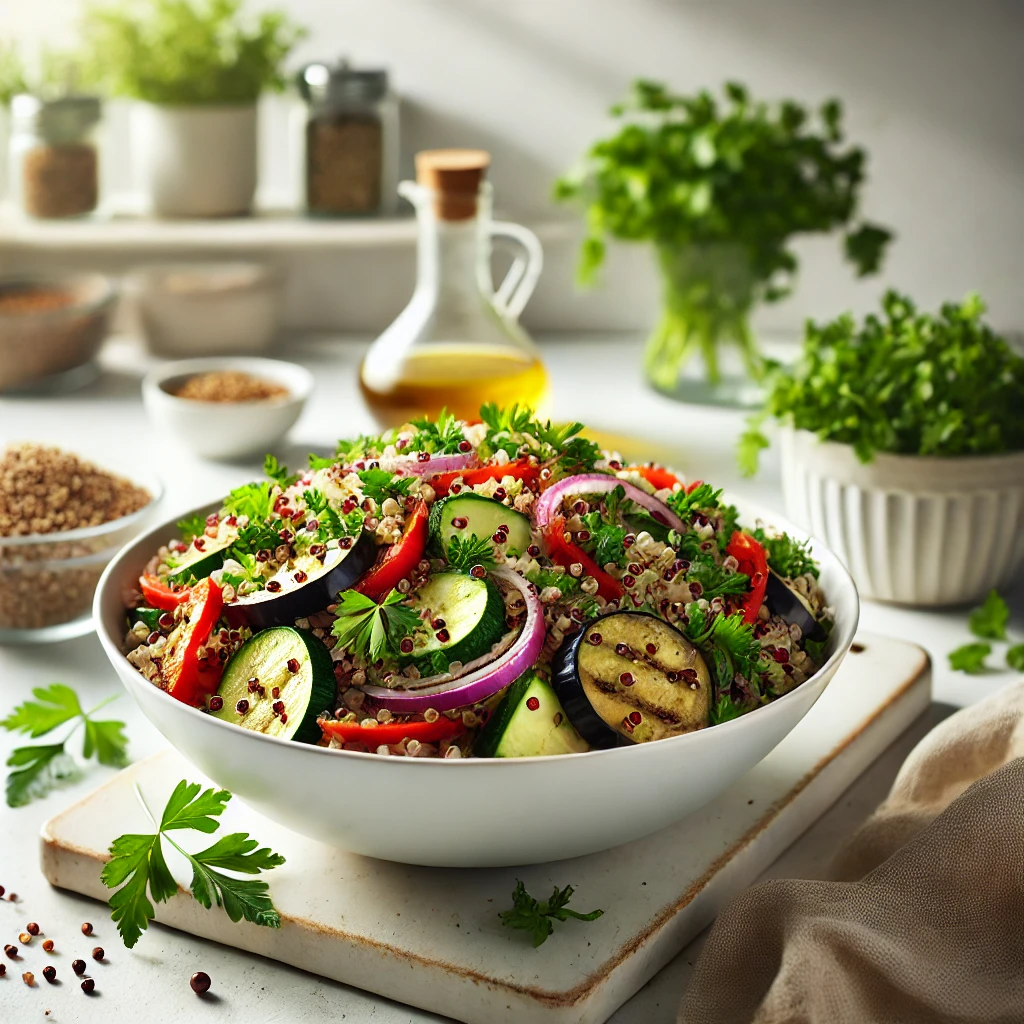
630,677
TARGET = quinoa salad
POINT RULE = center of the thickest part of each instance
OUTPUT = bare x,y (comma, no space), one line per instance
495,588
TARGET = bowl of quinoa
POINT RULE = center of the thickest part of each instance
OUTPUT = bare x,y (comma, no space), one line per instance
226,408
62,519
499,617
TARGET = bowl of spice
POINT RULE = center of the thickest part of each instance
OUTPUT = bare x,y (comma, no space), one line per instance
226,408
62,519
51,327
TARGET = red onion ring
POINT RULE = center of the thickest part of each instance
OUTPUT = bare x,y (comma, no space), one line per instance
550,502
476,686
410,465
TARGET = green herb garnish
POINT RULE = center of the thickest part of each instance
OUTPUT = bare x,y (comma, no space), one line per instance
728,640
367,629
990,620
970,658
542,578
332,524
191,527
278,473
440,437
716,581
538,918
251,500
379,484
786,555
1015,657
37,769
725,709
137,862
463,553
905,382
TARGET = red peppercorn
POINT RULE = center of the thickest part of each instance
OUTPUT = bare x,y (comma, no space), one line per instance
781,655
278,706
478,571
284,717
78,966
263,556
48,945
423,456
460,522
300,577
87,928
500,494
200,982
198,543
32,928
406,645
532,703
97,953
2,891
88,985
595,638
628,581
465,446
242,707
438,624
498,538
293,665
635,717
623,650
652,649
50,973
154,636
629,540
3,970
11,950
345,543
216,703
533,551
443,636
626,678
273,586
583,536
275,692
166,621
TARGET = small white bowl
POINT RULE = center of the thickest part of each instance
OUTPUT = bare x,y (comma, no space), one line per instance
199,309
226,430
912,529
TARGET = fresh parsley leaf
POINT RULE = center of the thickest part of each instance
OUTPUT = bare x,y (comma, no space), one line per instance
990,620
716,581
1015,657
367,629
434,663
320,462
54,705
332,524
725,709
970,658
727,641
530,915
463,553
513,419
379,484
137,862
749,447
278,473
192,527
786,555
252,500
441,436
542,578
39,768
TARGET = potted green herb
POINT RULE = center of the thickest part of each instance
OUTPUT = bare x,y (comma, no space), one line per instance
197,67
719,190
902,442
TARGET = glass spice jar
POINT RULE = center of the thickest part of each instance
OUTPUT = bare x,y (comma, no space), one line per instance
55,155
351,140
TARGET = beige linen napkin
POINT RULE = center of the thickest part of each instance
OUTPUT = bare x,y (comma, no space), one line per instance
924,922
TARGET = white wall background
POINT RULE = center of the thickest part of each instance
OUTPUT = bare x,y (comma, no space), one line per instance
933,89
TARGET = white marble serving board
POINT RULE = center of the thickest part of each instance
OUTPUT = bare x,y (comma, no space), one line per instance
431,937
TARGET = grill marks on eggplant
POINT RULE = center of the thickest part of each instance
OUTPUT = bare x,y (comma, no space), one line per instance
630,676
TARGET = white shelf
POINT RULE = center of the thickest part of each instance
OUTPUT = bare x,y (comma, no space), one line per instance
261,231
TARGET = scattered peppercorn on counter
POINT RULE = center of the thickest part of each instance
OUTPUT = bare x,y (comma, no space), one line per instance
496,588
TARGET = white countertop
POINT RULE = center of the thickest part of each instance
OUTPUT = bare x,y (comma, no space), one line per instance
597,382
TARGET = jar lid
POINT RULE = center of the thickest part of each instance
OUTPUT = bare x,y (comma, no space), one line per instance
63,119
341,83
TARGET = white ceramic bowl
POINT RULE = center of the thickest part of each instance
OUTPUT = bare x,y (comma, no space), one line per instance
226,430
199,309
913,530
472,812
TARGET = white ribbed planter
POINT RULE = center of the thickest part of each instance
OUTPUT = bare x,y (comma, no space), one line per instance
196,161
913,530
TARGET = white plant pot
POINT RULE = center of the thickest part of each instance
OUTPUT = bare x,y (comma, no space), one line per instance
196,161
913,530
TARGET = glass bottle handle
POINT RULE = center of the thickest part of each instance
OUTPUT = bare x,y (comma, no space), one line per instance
515,291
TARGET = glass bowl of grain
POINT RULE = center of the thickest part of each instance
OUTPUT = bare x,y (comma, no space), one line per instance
226,408
62,519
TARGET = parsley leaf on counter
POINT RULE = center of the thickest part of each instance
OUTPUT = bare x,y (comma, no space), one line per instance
37,769
137,862
990,620
368,629
528,914
970,658
1015,657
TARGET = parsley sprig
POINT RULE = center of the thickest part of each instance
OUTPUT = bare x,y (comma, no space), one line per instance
38,768
787,556
463,553
537,918
728,640
367,629
137,862
988,622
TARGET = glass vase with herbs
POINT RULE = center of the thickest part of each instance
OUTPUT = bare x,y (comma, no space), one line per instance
720,189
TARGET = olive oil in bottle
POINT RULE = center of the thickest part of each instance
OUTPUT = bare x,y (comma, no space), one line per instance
458,343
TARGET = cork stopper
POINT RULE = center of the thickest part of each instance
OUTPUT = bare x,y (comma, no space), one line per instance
455,175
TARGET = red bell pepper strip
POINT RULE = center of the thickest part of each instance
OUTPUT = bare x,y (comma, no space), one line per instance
754,563
690,488
399,560
565,553
159,595
189,679
392,732
660,479
525,471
